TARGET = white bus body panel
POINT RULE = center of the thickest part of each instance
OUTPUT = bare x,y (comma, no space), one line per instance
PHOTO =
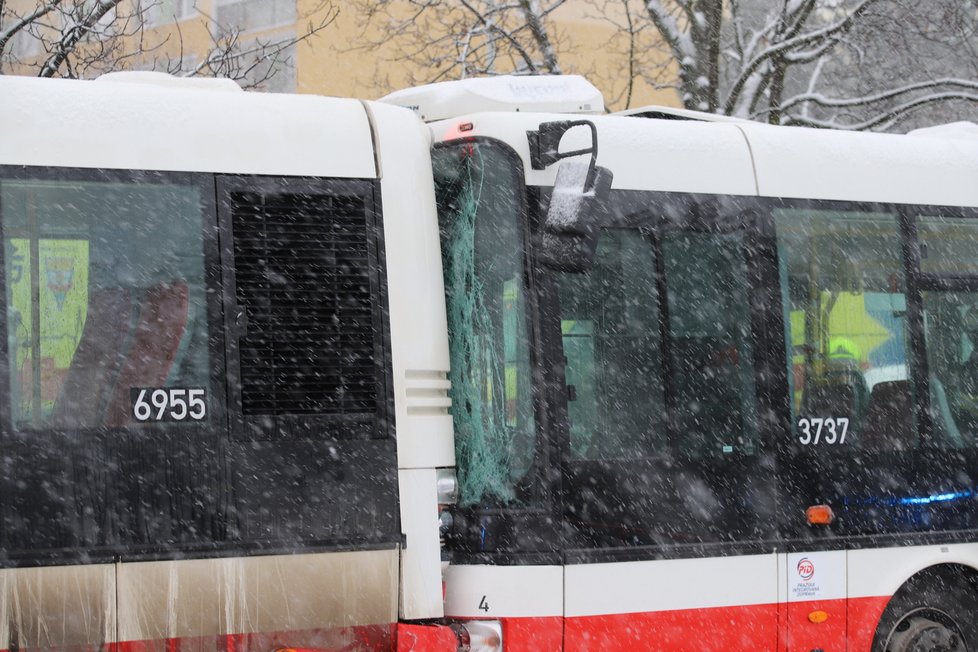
416,291
671,584
725,158
504,591
642,154
566,94
837,165
421,581
194,128
881,571
252,595
145,127
419,349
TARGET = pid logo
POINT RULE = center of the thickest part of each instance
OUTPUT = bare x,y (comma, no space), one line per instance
806,569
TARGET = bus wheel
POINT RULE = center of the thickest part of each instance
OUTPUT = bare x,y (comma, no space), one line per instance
936,612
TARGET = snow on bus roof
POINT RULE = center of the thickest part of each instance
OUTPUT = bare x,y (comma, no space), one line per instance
505,93
147,123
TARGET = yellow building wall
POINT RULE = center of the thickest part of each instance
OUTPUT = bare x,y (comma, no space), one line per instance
336,63
340,60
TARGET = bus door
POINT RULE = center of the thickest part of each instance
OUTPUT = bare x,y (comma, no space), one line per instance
850,462
666,498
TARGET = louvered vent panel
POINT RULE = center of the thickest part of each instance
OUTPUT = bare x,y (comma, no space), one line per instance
302,271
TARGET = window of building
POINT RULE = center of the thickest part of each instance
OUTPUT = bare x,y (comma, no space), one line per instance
247,15
269,68
25,44
162,12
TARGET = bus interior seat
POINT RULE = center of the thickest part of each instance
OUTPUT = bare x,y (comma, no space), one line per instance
160,327
831,400
888,424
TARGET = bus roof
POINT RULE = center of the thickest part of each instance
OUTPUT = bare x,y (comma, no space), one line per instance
139,124
747,158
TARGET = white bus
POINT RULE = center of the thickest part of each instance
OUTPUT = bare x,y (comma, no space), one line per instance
730,403
708,387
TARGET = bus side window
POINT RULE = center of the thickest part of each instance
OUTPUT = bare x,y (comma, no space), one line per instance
843,287
610,333
947,248
711,349
111,272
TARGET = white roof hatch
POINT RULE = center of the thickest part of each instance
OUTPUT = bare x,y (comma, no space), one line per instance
534,93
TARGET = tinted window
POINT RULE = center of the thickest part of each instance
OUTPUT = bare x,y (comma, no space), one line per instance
116,377
612,345
710,343
106,303
846,314
947,245
949,250
658,348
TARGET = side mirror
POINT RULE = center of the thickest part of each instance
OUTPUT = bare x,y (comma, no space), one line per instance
570,231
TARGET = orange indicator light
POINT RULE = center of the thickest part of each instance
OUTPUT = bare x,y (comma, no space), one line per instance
818,617
819,515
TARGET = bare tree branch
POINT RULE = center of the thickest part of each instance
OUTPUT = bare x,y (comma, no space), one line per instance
821,100
75,34
888,116
783,47
8,33
89,37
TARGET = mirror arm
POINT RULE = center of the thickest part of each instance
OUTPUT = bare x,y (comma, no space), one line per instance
544,146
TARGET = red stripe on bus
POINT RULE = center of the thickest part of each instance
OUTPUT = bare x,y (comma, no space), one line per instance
850,626
544,633
753,627
805,629
864,616
425,638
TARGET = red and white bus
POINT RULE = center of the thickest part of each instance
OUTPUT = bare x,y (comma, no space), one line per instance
730,404
706,384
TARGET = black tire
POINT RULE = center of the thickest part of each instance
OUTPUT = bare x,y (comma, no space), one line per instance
933,612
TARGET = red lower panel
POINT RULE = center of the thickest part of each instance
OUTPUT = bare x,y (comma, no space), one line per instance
850,627
829,635
688,630
536,634
864,615
425,638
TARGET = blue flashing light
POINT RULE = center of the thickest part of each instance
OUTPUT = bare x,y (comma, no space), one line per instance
936,498
910,500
